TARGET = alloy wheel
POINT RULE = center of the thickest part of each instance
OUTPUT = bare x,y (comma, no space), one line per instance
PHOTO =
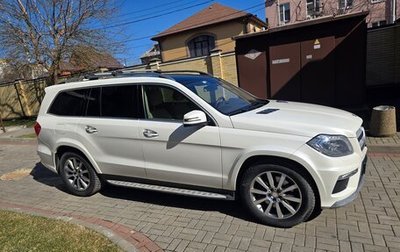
275,194
77,174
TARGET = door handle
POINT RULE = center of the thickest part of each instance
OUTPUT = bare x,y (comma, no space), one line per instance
90,129
150,133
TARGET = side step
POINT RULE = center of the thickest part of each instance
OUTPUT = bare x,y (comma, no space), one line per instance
174,190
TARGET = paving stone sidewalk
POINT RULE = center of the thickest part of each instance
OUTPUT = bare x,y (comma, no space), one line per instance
179,223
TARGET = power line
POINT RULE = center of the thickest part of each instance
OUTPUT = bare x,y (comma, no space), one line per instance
134,55
153,8
195,25
152,17
117,20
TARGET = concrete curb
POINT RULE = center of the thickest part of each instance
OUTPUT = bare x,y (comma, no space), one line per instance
124,237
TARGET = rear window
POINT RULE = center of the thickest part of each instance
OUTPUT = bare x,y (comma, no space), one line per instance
109,102
69,103
119,101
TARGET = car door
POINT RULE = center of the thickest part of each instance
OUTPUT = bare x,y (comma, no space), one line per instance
173,153
109,130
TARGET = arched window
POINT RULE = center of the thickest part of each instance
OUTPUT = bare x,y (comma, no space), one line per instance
201,45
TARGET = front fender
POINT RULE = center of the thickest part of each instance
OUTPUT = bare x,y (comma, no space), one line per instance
231,176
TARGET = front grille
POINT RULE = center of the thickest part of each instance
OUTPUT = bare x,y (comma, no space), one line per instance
361,137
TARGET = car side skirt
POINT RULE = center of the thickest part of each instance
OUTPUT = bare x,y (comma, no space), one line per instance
167,187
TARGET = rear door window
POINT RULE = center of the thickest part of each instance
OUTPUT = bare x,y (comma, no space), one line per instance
119,101
93,103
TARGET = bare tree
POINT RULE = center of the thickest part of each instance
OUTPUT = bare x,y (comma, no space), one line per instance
44,32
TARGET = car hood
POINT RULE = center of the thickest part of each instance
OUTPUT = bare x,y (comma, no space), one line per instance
298,119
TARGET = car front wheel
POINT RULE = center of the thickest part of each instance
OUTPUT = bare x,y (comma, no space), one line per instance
277,195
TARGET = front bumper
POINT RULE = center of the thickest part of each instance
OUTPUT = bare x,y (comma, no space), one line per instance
327,171
353,196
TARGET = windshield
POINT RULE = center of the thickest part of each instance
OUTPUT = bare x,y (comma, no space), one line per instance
223,96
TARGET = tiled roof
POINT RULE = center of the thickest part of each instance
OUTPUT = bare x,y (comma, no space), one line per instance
215,13
88,58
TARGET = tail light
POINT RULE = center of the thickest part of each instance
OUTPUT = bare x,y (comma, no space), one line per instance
37,128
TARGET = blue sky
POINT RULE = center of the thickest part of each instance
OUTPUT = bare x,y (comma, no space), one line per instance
142,23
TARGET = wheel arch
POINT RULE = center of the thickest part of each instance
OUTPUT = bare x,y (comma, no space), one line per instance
283,161
68,147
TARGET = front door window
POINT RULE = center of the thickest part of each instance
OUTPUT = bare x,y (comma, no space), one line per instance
165,103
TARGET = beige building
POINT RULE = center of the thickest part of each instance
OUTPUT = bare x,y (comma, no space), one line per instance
281,12
203,42
207,30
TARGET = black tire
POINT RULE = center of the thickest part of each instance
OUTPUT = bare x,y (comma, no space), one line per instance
82,181
272,208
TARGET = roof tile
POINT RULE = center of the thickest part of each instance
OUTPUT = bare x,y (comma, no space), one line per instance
215,13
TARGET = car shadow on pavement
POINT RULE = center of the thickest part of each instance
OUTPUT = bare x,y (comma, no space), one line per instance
228,207
45,176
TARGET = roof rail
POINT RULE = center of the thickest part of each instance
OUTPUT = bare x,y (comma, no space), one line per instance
139,73
114,74
184,71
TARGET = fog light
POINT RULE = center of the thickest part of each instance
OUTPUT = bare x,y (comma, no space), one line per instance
347,175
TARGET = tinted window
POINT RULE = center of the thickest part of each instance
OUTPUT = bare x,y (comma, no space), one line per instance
93,99
119,101
69,103
166,103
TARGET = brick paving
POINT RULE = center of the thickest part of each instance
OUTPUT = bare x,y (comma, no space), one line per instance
394,140
179,223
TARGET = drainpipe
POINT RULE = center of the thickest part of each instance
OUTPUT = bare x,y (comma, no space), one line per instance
277,12
393,11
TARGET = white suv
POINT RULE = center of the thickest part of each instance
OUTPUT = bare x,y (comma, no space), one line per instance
194,134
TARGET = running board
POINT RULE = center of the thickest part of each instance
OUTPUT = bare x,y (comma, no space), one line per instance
174,190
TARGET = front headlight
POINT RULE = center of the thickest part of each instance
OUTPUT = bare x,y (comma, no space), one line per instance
332,145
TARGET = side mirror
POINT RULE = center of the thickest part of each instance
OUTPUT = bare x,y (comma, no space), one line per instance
195,117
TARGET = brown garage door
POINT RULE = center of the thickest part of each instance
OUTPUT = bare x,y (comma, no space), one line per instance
284,64
318,71
303,71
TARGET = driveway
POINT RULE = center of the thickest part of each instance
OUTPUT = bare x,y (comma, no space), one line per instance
179,223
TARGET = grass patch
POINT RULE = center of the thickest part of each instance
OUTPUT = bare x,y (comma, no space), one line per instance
22,232
31,135
29,122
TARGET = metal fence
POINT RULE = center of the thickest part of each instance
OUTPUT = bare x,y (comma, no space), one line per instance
21,98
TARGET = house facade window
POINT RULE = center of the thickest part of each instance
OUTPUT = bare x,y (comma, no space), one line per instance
345,4
313,7
201,45
284,13
379,23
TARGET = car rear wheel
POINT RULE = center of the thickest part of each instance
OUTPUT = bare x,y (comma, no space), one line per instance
79,175
276,195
